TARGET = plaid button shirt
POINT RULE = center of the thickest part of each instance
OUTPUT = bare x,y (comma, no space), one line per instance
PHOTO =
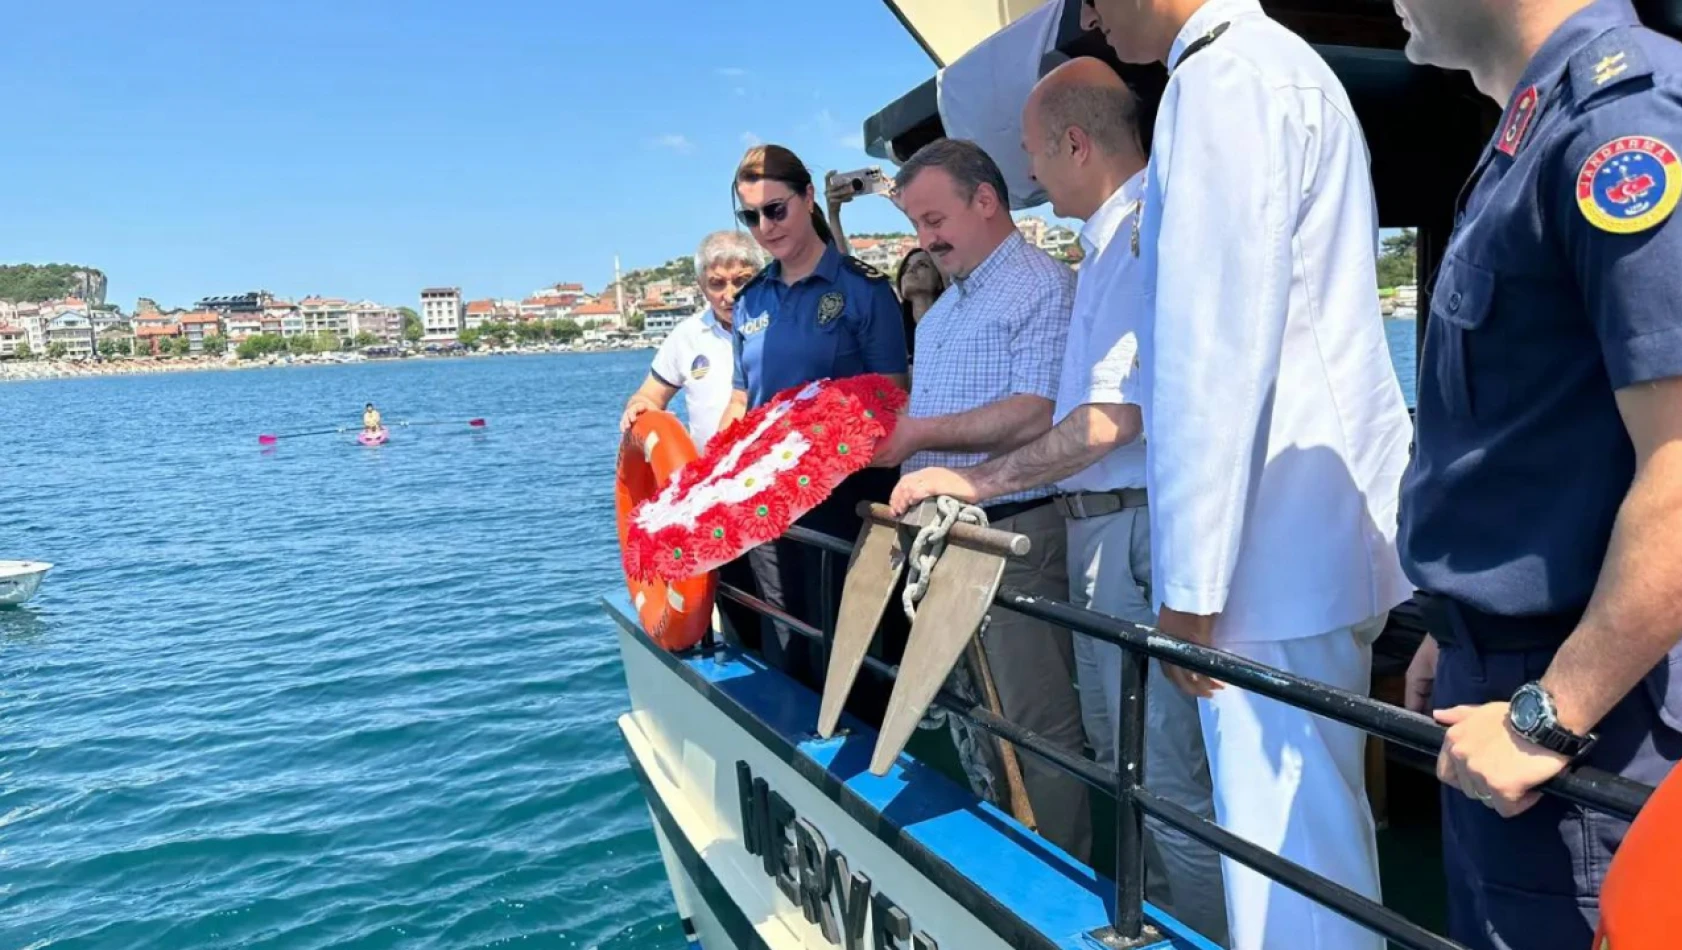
995,334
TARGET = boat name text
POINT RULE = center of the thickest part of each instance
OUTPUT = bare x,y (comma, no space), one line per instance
818,878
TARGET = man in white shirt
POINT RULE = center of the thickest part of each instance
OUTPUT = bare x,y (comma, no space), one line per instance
1080,130
1277,430
696,358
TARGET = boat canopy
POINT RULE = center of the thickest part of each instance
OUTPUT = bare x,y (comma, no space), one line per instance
1425,127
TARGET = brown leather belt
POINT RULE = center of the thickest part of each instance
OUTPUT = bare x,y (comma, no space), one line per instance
1097,504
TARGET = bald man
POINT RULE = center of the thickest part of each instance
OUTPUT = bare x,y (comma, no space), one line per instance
1081,133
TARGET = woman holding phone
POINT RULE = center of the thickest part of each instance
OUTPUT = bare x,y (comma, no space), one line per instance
812,314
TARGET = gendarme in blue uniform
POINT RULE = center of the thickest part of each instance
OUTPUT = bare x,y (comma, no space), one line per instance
841,320
1561,285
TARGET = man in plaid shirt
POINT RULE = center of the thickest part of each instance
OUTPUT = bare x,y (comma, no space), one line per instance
989,357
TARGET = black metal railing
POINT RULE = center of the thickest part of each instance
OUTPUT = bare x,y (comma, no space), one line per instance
1586,787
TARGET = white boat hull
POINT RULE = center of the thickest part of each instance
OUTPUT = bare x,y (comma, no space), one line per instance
19,580
775,839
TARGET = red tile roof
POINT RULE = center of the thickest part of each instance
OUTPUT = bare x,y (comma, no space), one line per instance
598,309
201,316
153,329
481,306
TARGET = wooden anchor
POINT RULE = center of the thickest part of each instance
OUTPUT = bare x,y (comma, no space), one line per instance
960,592
872,574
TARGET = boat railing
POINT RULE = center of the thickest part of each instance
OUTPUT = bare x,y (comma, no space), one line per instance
1418,737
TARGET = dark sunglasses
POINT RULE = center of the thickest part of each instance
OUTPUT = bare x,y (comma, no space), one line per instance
771,211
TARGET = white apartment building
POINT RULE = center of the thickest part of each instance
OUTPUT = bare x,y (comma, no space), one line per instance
381,322
441,314
74,331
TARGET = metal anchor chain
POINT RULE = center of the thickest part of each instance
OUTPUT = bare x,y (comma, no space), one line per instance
930,542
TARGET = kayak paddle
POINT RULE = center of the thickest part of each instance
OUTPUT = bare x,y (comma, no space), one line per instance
272,439
475,423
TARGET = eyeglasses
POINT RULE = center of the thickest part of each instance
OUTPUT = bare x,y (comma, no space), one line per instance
771,211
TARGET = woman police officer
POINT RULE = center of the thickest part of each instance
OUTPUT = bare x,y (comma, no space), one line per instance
812,314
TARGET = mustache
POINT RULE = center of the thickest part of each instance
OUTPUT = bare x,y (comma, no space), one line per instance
939,248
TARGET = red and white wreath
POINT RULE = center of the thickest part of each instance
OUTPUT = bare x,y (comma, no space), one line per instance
759,475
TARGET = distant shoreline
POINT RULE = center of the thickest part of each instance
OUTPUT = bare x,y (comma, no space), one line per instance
16,371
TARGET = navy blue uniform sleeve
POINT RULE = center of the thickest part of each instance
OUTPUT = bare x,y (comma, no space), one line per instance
739,372
1616,193
882,331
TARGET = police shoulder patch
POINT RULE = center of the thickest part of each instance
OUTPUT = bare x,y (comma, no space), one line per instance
1630,184
860,267
1610,61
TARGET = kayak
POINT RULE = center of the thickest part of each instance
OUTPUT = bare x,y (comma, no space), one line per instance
376,437
20,579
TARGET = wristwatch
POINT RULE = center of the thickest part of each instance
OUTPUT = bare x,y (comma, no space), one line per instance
1532,715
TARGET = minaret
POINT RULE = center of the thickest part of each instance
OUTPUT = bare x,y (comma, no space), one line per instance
618,290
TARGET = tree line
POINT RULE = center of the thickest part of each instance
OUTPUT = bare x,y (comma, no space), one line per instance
34,283
501,333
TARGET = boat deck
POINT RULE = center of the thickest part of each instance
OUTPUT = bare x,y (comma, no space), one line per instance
986,866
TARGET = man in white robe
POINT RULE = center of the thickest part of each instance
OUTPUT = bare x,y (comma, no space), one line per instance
1276,428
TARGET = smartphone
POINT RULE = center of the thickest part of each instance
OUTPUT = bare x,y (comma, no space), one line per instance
865,181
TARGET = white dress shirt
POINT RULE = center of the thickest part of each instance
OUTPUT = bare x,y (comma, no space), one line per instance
1100,361
1277,429
697,358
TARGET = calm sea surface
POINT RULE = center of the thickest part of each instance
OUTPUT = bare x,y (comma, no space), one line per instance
325,695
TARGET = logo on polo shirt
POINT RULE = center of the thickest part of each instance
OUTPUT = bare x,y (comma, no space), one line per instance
756,325
830,307
699,367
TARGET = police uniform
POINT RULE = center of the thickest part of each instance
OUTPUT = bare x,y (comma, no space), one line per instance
841,320
1561,284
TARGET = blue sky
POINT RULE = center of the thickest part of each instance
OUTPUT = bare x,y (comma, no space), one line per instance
366,149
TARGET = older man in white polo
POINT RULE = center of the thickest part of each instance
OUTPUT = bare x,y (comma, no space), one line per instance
696,358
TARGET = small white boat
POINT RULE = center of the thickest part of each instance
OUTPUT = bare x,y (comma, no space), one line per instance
19,580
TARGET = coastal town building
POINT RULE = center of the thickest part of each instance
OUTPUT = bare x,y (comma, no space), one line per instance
478,313
120,335
1032,230
325,315
884,254
252,302
547,307
29,318
242,326
198,325
151,334
658,320
441,314
383,323
72,330
602,313
11,338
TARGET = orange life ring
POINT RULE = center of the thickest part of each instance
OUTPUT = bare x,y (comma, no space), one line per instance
1638,907
677,614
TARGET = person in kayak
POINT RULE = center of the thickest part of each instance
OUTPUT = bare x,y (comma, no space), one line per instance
370,419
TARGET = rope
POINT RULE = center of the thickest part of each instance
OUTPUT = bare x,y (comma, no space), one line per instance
930,543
